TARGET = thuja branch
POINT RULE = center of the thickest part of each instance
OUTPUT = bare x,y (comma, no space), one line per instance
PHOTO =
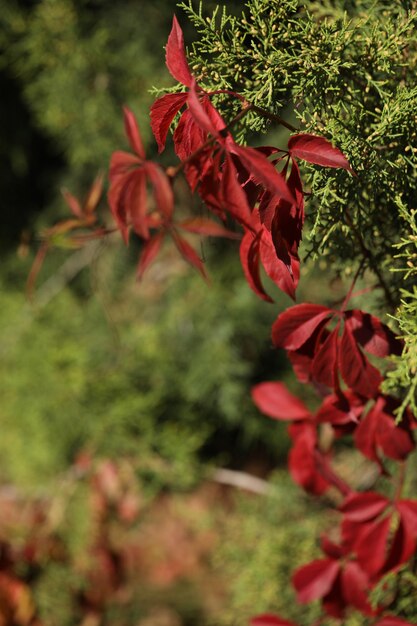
368,255
273,117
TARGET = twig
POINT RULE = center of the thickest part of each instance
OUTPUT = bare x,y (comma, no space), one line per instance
242,480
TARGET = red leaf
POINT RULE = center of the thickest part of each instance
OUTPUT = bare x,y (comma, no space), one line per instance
374,336
163,112
408,516
164,197
360,507
118,196
317,150
189,254
277,402
149,253
340,409
249,257
313,581
121,163
323,368
136,200
176,60
295,185
295,326
355,585
206,227
233,196
72,202
267,619
355,368
199,114
365,436
94,195
276,269
372,546
302,461
396,442
132,132
262,171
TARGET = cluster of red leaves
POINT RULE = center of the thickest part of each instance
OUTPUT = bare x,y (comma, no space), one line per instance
237,183
260,190
378,535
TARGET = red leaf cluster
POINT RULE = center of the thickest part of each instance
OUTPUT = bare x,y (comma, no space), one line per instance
236,182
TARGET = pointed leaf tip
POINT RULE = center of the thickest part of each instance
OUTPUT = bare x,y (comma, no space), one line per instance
317,150
176,61
132,132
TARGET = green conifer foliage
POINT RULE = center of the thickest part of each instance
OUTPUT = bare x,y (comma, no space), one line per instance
346,71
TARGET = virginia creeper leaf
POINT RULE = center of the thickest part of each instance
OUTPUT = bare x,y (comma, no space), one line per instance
295,326
176,60
277,402
317,150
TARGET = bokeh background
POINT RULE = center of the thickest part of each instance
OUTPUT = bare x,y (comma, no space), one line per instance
119,402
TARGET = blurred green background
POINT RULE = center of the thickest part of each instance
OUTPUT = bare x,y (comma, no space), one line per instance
118,400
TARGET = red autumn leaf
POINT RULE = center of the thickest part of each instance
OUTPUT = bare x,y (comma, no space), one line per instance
262,171
233,196
249,258
295,326
323,367
189,254
317,150
94,195
136,200
331,549
402,548
356,370
267,619
132,132
277,402
205,226
295,185
176,60
313,581
302,460
374,336
276,269
360,507
378,431
372,545
122,163
365,436
149,252
164,197
199,114
162,113
72,202
355,585
119,197
407,510
395,440
188,136
340,409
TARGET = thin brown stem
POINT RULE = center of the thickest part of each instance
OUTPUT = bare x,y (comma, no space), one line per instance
349,293
273,117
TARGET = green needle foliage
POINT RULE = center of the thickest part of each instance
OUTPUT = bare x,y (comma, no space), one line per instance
345,70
